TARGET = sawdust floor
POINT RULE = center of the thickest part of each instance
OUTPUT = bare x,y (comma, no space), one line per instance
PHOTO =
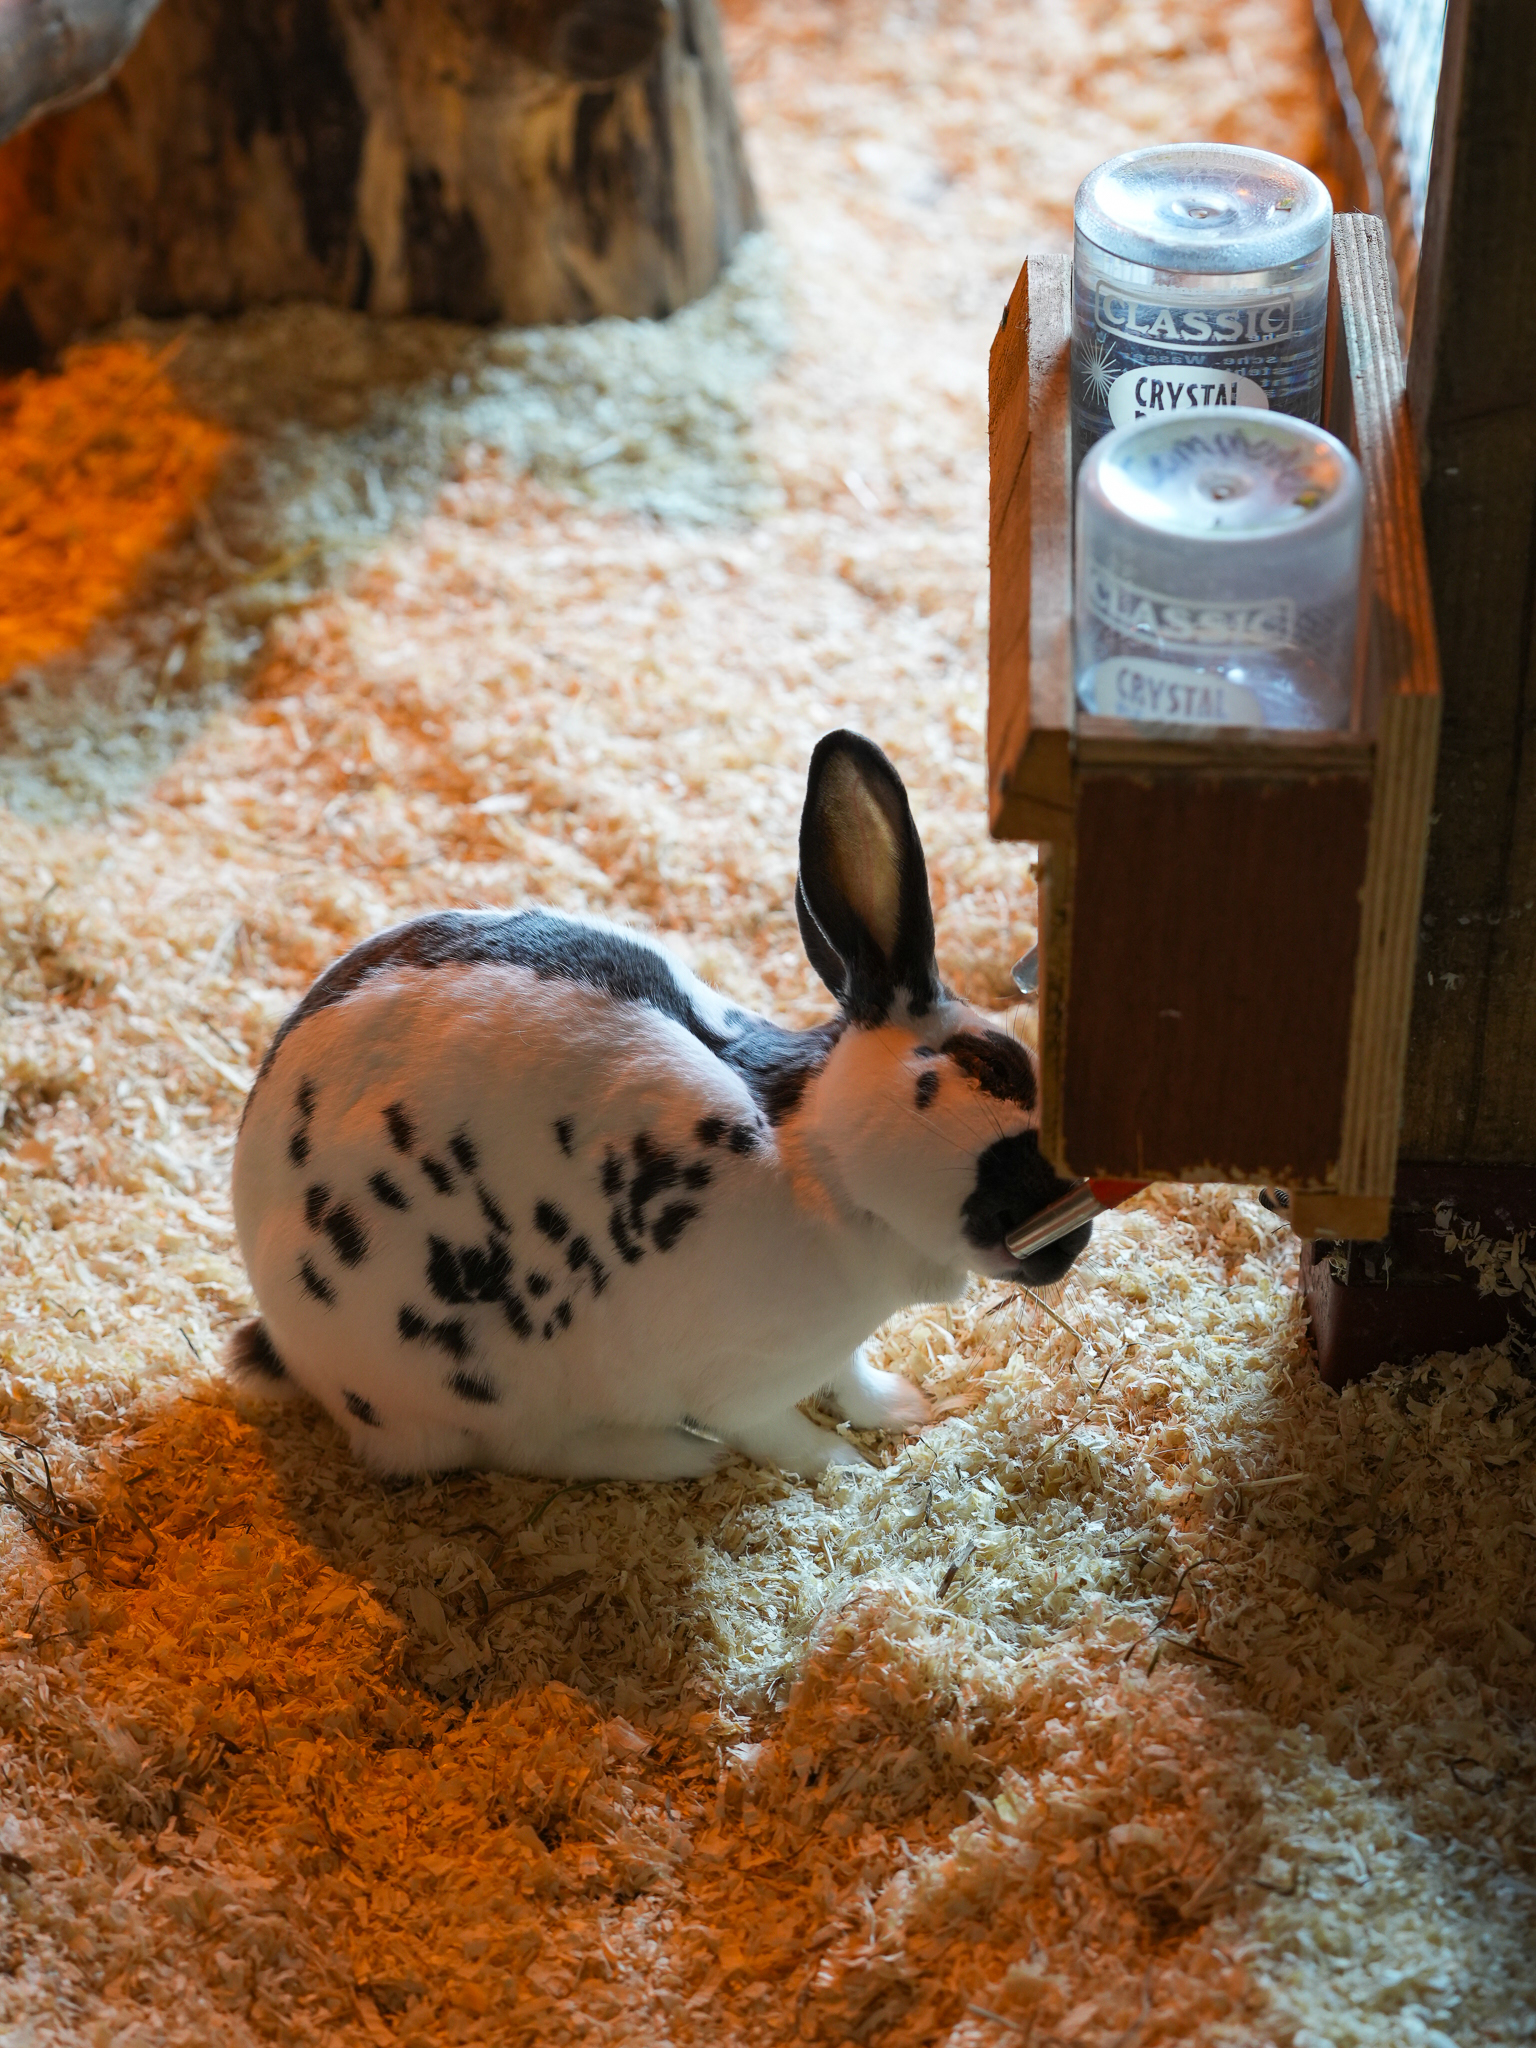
1153,1695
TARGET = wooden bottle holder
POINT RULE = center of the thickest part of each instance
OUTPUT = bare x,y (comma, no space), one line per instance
1228,917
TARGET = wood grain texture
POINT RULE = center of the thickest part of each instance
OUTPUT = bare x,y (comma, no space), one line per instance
520,160
1402,701
1367,141
1213,939
1470,1091
1029,717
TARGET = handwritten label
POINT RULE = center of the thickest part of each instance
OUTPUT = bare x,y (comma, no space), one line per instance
1129,609
1197,328
1143,394
1125,687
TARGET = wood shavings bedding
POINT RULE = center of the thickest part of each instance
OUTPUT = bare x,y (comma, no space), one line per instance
1154,1694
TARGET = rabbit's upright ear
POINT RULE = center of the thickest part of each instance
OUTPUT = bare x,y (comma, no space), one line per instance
862,895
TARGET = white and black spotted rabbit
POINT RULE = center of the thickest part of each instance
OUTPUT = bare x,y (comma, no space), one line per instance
518,1190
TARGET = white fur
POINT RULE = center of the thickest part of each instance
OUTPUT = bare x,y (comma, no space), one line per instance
846,1213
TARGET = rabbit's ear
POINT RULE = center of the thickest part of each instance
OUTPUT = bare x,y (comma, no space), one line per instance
862,895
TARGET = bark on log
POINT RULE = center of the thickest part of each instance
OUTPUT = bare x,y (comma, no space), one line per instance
518,160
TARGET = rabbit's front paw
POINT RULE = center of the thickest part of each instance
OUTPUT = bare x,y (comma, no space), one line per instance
871,1399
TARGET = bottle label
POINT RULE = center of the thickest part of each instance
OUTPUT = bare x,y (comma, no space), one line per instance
1176,622
1271,349
1160,691
1145,394
1194,328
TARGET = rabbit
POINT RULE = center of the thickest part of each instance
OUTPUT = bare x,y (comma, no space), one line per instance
515,1189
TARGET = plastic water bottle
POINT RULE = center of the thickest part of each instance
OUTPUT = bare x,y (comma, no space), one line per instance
1200,278
1218,572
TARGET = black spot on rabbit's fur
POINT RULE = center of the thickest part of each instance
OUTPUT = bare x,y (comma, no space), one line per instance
450,1336
468,1272
490,1209
630,1252
298,1147
699,1175
927,1088
438,1174
742,1139
565,1133
554,1223
515,1309
563,1314
360,1410
464,1152
709,1130
612,1174
658,1171
315,1283
472,1386
577,1253
315,1199
402,1132
252,1353
671,1223
998,1065
346,1234
387,1191
537,1284
305,1099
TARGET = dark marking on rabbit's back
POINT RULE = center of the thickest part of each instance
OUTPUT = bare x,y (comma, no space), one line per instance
537,1284
304,1099
346,1234
777,1065
315,1199
361,1411
927,1088
774,1063
438,1174
553,1221
315,1284
473,1386
491,1210
449,1335
388,1191
565,1135
463,1150
671,1223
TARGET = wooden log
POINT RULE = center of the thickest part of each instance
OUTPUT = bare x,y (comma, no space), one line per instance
517,160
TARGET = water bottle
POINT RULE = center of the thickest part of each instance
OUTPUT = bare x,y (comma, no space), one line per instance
1218,572
1200,279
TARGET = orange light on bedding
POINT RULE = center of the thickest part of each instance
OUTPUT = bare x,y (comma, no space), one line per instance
100,466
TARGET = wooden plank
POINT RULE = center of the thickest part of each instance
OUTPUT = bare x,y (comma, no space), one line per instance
1029,715
1470,1091
1203,908
1402,703
1366,141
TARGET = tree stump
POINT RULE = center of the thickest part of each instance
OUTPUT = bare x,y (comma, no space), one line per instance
514,160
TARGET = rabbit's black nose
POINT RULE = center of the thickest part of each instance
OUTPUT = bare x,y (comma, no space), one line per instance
1014,1183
